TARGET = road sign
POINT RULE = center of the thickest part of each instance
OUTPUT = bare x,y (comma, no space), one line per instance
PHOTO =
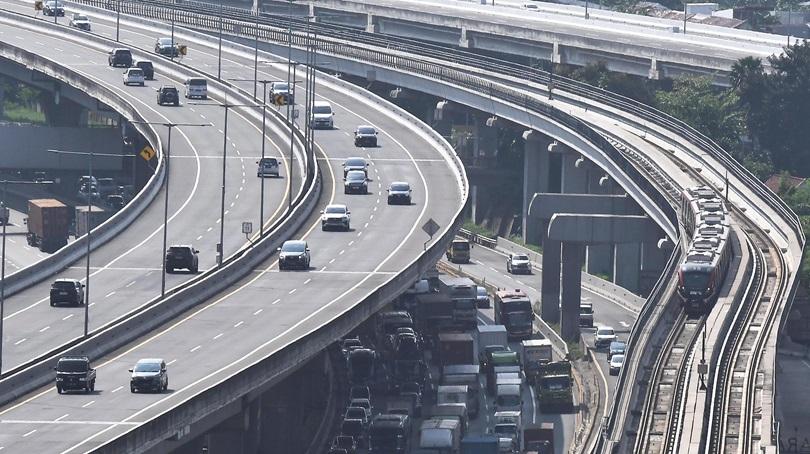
247,227
431,227
147,153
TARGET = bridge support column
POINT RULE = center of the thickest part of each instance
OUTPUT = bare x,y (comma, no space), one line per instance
371,27
571,289
574,176
550,282
463,42
252,434
654,74
2,99
599,260
627,265
535,179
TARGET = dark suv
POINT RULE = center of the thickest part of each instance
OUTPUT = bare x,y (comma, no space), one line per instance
68,291
586,315
147,68
149,375
120,57
182,257
167,94
293,254
73,373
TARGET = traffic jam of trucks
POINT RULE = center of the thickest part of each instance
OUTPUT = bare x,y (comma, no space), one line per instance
430,376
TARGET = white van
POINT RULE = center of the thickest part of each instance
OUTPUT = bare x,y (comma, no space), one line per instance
508,398
196,87
322,116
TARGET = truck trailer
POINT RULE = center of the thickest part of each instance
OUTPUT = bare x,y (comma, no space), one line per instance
48,222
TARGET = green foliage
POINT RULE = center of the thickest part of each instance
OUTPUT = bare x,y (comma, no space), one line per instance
478,229
519,240
714,113
598,75
20,114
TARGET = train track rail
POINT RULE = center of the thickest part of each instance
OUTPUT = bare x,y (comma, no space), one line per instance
735,400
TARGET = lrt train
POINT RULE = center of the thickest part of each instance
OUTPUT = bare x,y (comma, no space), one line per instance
703,271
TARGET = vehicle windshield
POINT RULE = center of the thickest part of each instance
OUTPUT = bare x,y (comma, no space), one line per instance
617,359
555,383
321,110
695,280
356,175
365,130
352,427
461,246
519,317
605,332
400,187
281,87
64,285
178,250
144,64
335,210
520,257
586,309
269,162
481,291
78,17
294,246
71,366
197,82
355,413
506,429
135,72
355,162
165,41
508,401
147,367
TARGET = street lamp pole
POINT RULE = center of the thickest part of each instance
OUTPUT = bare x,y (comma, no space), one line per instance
171,53
256,64
118,21
291,84
219,51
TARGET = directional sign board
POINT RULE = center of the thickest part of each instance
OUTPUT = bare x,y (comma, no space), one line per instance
431,227
147,153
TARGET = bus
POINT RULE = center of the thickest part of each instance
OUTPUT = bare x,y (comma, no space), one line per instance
459,251
513,309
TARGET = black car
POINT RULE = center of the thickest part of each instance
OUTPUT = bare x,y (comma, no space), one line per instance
353,428
73,373
354,164
293,254
147,68
68,291
182,257
149,375
166,46
115,202
167,94
344,443
54,8
365,136
355,182
120,57
399,193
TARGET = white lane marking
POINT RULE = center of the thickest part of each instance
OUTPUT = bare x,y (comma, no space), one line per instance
624,324
195,349
332,261
366,225
342,251
199,237
278,300
45,329
133,282
92,304
258,312
371,216
20,341
534,405
806,363
120,387
292,291
209,228
239,324
351,242
171,362
61,417
307,281
218,336
88,404
359,233
113,292
322,268
29,433
65,318
29,422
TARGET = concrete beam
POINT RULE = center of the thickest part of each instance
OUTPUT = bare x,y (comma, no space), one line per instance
601,228
545,205
572,253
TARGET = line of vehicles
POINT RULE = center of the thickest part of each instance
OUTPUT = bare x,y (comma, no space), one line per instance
423,375
74,373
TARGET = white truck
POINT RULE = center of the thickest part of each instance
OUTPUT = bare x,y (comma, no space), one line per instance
440,436
534,354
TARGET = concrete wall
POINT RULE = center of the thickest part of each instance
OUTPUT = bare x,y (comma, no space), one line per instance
25,147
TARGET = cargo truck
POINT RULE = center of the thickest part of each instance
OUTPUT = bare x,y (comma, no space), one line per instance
457,348
434,312
539,438
388,434
554,387
48,222
479,444
464,293
459,251
489,338
513,309
440,436
535,353
97,216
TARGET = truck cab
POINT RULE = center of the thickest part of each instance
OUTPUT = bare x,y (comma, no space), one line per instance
459,251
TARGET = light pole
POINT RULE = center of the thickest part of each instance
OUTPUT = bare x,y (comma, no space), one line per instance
227,106
171,53
5,217
118,21
291,84
256,71
219,51
166,160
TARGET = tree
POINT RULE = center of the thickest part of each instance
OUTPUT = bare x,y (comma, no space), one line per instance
714,113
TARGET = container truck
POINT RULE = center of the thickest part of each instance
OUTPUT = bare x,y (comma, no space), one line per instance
464,294
479,444
440,436
459,251
97,216
534,354
554,387
489,337
48,222
539,438
457,348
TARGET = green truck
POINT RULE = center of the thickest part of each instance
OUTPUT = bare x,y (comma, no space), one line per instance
555,387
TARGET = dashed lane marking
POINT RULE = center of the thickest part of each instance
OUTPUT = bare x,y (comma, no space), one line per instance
195,349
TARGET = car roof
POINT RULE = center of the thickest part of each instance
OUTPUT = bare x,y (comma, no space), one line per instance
605,328
64,279
149,360
322,103
352,158
400,182
336,205
181,245
295,242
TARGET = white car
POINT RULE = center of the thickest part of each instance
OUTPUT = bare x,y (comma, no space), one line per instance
616,362
134,76
335,216
518,263
604,336
80,21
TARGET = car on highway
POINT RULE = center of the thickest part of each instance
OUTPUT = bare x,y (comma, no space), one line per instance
106,186
518,263
603,337
196,87
149,374
586,314
365,136
168,94
147,67
354,428
413,391
355,182
293,254
267,167
80,21
348,344
280,91
482,298
115,202
88,192
134,76
355,163
399,193
73,373
616,348
343,443
183,257
360,392
354,412
166,46
120,57
335,216
53,8
322,117
69,291
616,362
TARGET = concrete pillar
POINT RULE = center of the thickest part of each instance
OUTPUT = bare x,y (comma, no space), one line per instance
555,53
252,434
654,73
571,289
550,282
627,266
370,26
463,42
535,179
2,99
474,203
574,177
599,260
